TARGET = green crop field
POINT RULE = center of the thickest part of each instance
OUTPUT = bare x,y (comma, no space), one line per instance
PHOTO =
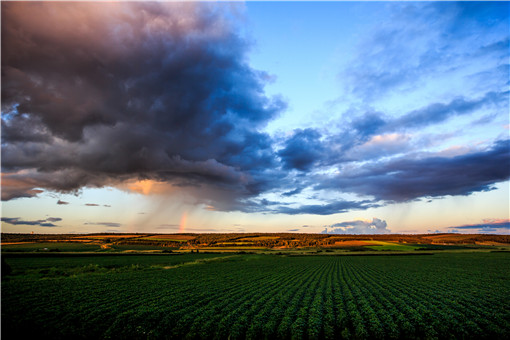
23,265
50,247
215,296
392,246
138,247
152,238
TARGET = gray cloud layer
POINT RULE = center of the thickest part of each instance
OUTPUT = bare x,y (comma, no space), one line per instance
140,93
100,94
406,179
105,224
336,207
41,223
490,225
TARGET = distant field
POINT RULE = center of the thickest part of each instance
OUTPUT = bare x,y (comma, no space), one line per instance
34,264
354,243
139,247
387,246
448,237
282,241
466,238
380,245
162,239
114,236
222,296
229,249
259,238
50,246
169,238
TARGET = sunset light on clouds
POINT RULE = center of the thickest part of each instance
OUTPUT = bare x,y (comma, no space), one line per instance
167,117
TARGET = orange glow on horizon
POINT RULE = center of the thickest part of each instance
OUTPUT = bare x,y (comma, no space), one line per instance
496,220
142,187
147,187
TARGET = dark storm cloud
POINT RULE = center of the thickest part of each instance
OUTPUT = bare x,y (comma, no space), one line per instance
326,209
95,94
439,112
105,94
374,135
488,225
308,149
59,202
406,179
91,205
376,226
41,223
368,124
106,224
356,130
17,221
23,129
301,150
361,128
292,192
9,193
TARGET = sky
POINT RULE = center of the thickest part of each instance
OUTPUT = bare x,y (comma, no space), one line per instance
311,117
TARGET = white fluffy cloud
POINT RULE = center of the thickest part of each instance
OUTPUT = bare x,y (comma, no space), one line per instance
376,226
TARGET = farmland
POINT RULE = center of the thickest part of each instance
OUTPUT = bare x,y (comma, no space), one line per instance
252,242
460,294
50,247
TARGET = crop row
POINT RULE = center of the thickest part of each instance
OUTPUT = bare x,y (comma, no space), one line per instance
271,297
